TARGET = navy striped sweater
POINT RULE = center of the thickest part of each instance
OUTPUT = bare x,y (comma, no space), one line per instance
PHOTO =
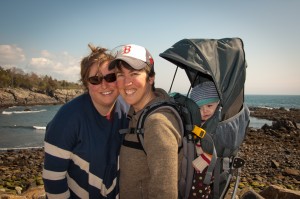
81,151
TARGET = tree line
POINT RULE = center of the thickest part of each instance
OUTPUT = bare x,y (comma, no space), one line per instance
17,78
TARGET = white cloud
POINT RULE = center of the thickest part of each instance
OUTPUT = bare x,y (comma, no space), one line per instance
11,55
40,63
45,53
61,66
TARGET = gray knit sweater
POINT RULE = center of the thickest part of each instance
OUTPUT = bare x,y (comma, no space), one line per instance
154,175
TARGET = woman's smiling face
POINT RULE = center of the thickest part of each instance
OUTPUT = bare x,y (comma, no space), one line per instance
135,87
105,93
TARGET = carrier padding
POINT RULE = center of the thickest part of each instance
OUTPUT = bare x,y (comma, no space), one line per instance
230,133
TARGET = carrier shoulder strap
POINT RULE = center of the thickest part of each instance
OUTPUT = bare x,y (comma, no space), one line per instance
139,130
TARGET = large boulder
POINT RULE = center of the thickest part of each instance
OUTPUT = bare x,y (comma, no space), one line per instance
274,191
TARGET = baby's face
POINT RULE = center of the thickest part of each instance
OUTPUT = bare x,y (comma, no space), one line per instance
208,110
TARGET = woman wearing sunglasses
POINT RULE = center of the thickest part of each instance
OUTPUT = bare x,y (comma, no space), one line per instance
82,141
150,171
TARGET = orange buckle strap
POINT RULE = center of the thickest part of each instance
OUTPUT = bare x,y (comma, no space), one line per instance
198,131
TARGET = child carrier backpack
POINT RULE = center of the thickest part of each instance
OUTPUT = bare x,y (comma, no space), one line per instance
223,62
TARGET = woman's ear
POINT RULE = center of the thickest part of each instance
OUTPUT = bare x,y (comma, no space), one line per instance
151,80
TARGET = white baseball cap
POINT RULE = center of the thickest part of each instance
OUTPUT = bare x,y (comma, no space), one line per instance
136,56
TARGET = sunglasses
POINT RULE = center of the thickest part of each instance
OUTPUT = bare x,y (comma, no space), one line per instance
95,80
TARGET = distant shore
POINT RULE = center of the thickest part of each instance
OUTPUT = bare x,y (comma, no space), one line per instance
24,97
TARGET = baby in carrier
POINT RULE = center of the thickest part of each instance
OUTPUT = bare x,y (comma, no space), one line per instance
207,99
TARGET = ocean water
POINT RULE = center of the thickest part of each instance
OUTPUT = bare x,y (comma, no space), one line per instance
19,128
273,101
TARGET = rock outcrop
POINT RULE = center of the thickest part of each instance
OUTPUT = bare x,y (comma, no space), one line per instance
279,192
18,97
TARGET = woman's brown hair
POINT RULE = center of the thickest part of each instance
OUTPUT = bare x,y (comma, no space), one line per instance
98,54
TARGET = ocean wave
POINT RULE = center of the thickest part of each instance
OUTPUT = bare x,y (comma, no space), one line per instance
266,107
12,107
39,127
271,108
21,112
25,127
21,148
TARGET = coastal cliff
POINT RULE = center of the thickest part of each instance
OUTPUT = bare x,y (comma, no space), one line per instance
23,97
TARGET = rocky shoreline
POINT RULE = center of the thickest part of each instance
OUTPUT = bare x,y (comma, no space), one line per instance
271,154
23,97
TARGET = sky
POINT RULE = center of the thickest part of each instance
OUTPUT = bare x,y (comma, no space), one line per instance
50,37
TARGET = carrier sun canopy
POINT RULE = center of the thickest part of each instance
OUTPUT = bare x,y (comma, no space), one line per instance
223,60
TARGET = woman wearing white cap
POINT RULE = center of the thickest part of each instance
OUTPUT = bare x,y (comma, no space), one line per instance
150,171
